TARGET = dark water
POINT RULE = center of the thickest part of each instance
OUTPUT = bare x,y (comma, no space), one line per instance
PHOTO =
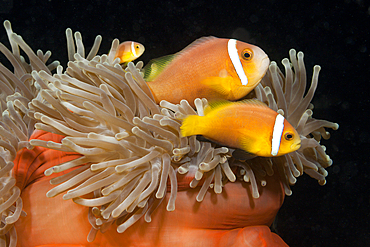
333,34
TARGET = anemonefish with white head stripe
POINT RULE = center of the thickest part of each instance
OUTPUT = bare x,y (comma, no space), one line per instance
210,67
249,125
128,51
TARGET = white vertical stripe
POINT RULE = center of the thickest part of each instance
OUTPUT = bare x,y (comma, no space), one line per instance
234,56
276,134
133,49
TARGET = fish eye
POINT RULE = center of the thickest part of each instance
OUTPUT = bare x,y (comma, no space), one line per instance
288,136
247,54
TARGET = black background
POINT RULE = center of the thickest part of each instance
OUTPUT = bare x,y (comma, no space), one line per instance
333,34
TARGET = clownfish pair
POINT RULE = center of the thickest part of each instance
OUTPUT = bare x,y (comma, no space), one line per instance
226,69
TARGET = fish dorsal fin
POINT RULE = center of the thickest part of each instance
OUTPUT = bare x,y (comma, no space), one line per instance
254,102
214,104
156,66
195,44
221,103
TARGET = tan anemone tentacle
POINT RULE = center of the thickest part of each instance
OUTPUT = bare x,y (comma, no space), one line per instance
18,89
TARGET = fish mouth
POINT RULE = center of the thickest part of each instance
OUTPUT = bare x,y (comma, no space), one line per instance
264,65
265,62
295,146
261,71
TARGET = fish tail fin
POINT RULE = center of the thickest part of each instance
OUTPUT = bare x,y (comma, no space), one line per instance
190,126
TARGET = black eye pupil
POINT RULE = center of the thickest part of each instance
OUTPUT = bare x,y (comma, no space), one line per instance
247,55
289,136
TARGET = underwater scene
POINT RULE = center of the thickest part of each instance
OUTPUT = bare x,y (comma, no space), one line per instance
184,123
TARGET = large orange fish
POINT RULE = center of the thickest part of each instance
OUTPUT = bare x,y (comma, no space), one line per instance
248,125
210,67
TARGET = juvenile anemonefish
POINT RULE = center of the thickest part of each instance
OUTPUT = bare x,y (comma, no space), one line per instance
129,51
249,125
210,67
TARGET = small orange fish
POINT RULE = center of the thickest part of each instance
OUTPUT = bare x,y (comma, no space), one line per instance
210,67
248,125
129,51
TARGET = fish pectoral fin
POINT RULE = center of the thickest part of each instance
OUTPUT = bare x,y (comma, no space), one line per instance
249,144
221,85
240,154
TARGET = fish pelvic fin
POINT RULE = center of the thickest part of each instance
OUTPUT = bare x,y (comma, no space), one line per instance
190,126
240,154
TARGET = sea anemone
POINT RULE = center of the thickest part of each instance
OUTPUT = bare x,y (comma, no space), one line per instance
130,149
17,90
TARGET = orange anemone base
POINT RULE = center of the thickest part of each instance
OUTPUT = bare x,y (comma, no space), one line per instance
232,218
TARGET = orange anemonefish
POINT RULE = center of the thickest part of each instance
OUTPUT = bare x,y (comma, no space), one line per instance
249,125
210,67
129,51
